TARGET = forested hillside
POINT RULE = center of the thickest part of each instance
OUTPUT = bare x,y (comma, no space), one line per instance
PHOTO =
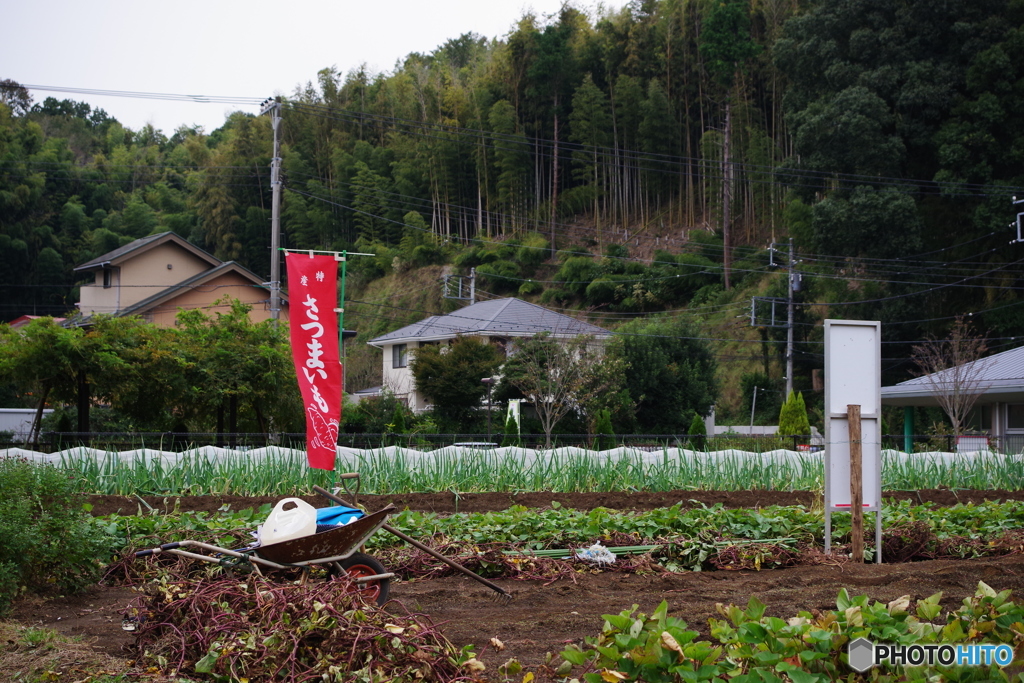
621,164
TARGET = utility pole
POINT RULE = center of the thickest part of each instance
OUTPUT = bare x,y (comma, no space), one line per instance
273,106
793,286
789,326
727,199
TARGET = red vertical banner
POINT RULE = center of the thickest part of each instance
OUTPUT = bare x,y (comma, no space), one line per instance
312,298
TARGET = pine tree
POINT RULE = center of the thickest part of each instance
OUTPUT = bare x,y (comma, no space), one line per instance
793,416
697,432
603,433
511,437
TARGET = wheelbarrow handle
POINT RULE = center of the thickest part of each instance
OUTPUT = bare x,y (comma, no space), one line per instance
430,551
165,546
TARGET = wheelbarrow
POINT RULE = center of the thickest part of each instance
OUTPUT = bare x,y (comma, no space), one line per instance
336,548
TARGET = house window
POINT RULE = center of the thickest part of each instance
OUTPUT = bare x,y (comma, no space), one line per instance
980,418
399,356
1015,416
106,278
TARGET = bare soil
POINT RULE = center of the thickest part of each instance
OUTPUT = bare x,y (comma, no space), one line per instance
545,617
448,502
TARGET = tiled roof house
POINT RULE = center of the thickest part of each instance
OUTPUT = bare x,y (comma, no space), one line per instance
155,276
496,321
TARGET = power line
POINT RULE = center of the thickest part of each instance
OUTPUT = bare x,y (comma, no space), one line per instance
708,167
340,114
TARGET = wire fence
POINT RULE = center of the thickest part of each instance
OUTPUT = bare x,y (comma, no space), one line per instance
52,442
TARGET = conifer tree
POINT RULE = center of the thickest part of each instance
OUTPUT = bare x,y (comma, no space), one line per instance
793,416
697,432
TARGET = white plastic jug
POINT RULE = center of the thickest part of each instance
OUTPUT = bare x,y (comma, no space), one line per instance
290,518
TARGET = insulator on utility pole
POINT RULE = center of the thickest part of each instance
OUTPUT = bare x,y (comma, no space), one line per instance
794,281
1020,238
459,294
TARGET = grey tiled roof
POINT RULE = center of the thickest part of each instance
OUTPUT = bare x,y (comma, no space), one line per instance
136,245
998,373
498,317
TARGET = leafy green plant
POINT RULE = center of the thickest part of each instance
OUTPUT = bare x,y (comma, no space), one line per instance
47,540
635,647
808,648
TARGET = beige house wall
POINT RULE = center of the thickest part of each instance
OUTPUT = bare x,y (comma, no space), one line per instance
96,298
139,278
208,298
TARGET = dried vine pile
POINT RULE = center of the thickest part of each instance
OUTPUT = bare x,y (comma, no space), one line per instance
256,629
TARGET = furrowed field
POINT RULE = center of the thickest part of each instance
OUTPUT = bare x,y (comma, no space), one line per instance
691,533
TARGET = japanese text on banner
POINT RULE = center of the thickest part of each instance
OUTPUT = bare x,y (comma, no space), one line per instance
313,296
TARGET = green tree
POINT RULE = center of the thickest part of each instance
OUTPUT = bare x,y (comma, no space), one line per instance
558,376
697,432
231,363
370,203
450,377
861,224
511,432
15,96
793,416
512,161
138,218
590,121
671,373
725,40
133,367
603,432
658,138
726,47
42,359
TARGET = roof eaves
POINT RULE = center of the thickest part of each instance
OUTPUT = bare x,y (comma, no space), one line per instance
132,249
194,281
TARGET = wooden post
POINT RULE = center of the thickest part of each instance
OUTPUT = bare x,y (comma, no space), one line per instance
856,485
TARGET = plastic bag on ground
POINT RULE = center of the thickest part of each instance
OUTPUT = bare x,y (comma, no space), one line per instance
596,553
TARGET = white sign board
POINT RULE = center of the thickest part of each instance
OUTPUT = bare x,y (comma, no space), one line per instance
853,376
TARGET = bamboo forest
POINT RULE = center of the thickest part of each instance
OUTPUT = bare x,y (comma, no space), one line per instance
614,163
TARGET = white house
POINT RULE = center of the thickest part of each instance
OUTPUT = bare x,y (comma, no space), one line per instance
496,321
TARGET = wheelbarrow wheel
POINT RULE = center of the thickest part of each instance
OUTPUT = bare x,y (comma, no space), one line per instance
359,565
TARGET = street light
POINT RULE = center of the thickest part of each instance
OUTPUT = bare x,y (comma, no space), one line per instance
488,382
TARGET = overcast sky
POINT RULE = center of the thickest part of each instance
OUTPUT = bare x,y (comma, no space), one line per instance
254,48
